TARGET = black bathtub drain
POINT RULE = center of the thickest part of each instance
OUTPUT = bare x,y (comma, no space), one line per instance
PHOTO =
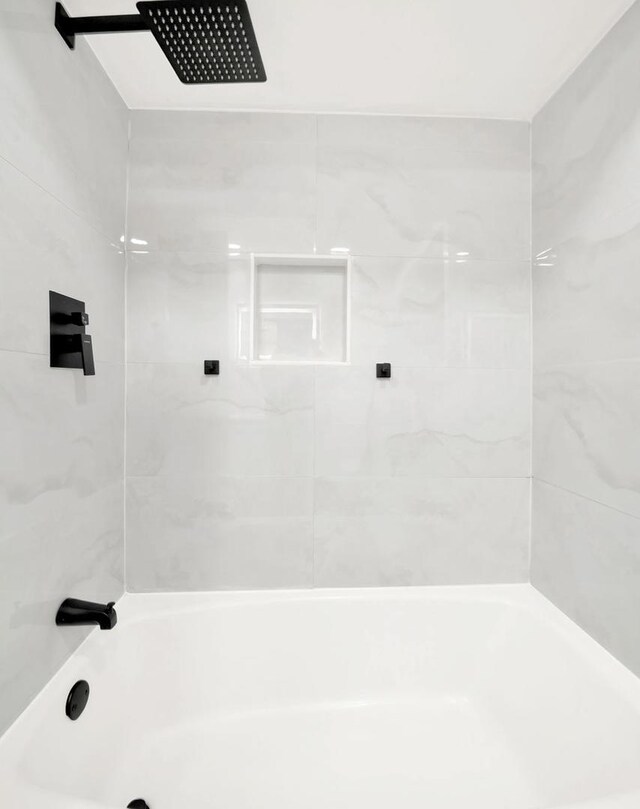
138,804
77,700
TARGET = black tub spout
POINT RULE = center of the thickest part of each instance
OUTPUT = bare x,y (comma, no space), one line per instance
72,611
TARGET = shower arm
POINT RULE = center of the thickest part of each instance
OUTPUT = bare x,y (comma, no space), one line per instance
68,26
205,43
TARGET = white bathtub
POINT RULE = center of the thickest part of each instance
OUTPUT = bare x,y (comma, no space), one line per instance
447,698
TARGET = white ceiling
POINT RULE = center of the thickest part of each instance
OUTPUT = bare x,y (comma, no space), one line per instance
485,58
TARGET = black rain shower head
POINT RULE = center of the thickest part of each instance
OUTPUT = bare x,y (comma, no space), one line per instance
205,42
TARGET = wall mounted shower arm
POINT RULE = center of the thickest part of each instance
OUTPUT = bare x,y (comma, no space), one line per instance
205,42
68,27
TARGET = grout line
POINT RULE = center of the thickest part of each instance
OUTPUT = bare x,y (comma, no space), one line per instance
315,367
343,365
586,497
531,354
45,355
87,222
540,369
23,351
315,189
222,255
126,367
314,479
352,478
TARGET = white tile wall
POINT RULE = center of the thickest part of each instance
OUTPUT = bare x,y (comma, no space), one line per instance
585,559
422,423
587,430
246,422
63,154
404,196
191,192
393,531
200,533
276,476
586,297
311,476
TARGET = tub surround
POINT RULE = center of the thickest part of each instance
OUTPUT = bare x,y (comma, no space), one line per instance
316,476
296,476
586,305
63,155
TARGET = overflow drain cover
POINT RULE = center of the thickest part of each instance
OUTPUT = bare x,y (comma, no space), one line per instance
77,699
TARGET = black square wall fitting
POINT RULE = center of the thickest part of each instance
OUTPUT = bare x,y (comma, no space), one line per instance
383,370
212,367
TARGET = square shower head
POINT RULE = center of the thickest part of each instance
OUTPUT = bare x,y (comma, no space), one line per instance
206,43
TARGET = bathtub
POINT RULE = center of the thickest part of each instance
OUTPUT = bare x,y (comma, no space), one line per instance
451,698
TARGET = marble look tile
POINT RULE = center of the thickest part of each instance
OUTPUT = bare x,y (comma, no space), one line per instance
488,314
63,172
440,422
61,434
586,294
587,431
586,559
187,307
46,246
586,155
255,196
249,421
376,199
217,127
63,123
391,531
586,307
397,311
74,547
443,136
219,533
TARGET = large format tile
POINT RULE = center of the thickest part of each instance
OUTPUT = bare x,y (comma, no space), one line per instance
488,307
586,294
63,123
376,199
430,313
587,431
586,306
187,307
397,311
421,203
391,531
254,196
586,157
249,421
63,176
436,422
75,551
45,246
586,559
61,436
219,533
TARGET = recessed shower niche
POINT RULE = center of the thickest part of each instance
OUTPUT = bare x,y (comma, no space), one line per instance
300,309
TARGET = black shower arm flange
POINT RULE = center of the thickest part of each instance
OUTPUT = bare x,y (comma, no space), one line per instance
68,27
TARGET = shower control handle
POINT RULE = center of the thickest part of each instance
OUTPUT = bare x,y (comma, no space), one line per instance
86,350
